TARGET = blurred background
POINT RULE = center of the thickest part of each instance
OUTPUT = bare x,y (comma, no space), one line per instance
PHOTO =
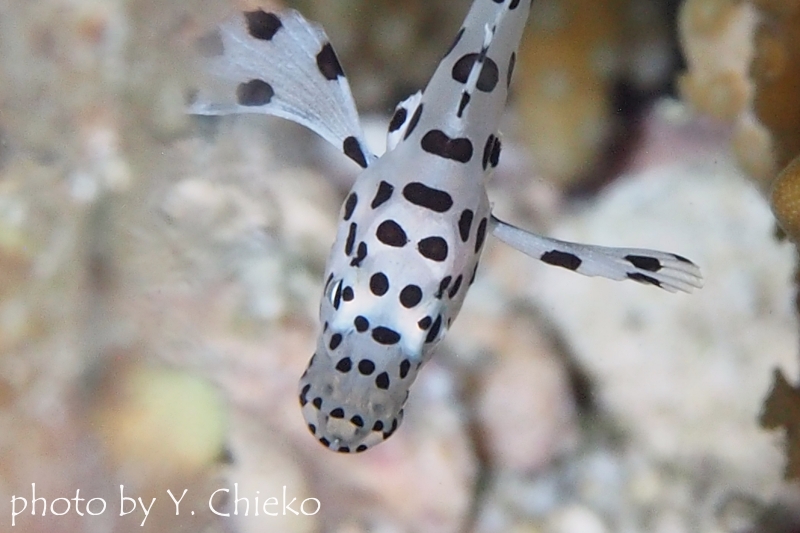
160,277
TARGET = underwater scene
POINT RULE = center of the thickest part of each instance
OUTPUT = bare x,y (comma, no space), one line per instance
351,266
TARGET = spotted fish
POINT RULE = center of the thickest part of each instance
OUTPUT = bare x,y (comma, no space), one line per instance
414,224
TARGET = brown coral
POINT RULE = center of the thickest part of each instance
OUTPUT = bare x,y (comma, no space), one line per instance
782,410
776,70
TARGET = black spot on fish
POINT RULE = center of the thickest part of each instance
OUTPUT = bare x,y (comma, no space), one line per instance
428,197
350,205
383,195
644,278
328,63
352,149
254,93
262,25
562,259
487,79
438,143
651,264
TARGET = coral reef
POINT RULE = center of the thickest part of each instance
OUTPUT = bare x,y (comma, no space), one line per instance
568,62
678,376
785,197
782,410
717,38
84,127
650,363
744,68
776,71
572,62
159,284
743,62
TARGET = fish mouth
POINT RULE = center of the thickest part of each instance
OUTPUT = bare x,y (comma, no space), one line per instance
338,435
336,445
346,414
342,436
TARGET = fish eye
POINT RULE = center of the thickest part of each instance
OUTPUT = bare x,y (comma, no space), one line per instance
333,290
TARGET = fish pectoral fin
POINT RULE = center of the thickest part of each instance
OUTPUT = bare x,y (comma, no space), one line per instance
666,270
280,64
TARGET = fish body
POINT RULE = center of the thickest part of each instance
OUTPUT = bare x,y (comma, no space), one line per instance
413,226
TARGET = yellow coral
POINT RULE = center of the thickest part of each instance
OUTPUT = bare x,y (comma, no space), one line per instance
786,199
715,35
573,58
569,57
717,38
160,420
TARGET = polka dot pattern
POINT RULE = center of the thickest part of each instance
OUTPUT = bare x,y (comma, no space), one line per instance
385,336
410,296
438,143
350,206
352,149
406,227
262,25
254,93
433,248
423,196
328,63
383,195
391,233
379,284
487,80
